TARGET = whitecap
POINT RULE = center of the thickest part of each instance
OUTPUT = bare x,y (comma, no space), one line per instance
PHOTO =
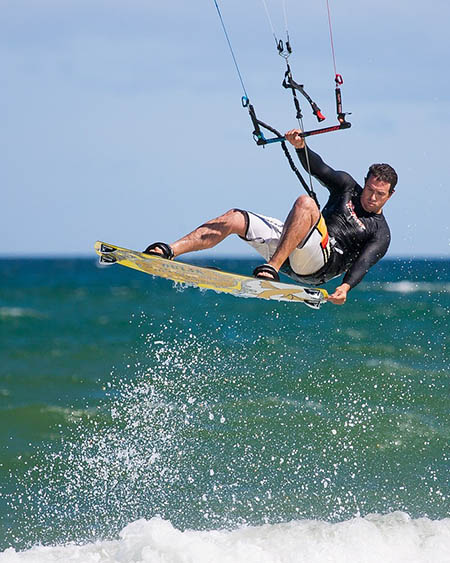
390,538
19,312
406,286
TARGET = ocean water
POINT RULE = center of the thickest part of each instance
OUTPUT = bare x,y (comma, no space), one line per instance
145,422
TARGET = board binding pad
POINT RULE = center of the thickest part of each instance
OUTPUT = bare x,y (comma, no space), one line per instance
208,278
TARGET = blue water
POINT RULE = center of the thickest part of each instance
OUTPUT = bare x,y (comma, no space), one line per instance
126,400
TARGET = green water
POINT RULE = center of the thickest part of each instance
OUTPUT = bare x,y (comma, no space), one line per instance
122,397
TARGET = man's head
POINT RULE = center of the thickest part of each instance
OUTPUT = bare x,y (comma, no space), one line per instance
379,185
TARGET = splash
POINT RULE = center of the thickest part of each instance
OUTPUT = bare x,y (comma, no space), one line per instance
230,427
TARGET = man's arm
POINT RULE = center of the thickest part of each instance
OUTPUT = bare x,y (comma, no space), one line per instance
333,180
370,255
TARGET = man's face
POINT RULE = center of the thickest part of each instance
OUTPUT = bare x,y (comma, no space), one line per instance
374,195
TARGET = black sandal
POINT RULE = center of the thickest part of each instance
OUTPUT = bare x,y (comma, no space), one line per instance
266,269
167,252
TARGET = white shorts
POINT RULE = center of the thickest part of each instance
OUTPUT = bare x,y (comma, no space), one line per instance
264,233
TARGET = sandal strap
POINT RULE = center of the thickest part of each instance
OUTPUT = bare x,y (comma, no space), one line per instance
267,269
167,251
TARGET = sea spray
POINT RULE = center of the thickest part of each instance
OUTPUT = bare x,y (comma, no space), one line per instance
232,426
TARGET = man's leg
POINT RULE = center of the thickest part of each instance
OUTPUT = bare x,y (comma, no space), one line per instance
211,233
301,219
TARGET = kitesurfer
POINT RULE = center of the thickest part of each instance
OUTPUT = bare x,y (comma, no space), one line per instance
349,236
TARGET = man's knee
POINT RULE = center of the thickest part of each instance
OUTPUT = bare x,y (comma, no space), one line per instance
306,203
234,221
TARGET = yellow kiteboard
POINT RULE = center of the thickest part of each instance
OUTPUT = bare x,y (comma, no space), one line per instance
207,278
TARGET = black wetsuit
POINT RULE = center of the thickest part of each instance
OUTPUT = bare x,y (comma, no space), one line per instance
358,238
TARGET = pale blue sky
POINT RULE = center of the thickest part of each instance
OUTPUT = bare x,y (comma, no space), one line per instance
122,121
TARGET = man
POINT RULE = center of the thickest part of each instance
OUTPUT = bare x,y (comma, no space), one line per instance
350,235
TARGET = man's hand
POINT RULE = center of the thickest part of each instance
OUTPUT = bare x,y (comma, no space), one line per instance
340,294
293,136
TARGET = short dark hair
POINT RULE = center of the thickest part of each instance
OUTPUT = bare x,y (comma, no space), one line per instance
384,173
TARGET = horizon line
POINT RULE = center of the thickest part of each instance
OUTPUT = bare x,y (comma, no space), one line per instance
208,255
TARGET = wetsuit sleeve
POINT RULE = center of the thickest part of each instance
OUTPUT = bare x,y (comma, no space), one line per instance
373,251
333,180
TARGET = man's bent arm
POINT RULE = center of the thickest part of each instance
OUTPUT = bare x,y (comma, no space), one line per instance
370,255
372,252
333,180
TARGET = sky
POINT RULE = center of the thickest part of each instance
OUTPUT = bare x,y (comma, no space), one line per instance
122,121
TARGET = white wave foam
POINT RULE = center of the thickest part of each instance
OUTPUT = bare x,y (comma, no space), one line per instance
406,286
18,312
393,538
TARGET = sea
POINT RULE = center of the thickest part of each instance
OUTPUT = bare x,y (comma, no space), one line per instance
143,421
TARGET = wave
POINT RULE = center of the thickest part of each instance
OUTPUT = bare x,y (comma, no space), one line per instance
391,538
41,414
19,312
406,286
